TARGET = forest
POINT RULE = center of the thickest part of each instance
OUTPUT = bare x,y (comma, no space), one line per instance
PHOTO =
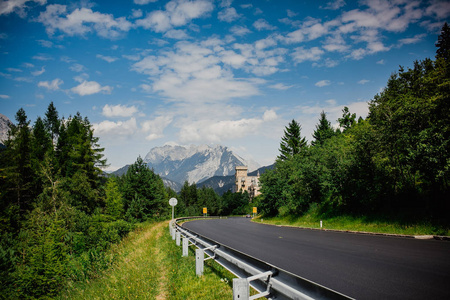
394,164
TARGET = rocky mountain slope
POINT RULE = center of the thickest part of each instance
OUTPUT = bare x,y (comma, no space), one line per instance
195,163
4,127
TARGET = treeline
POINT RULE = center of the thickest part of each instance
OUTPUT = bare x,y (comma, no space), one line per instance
192,200
58,210
395,163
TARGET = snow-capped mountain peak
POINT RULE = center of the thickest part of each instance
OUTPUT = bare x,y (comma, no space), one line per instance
195,163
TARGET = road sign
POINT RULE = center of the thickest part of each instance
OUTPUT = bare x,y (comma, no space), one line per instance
255,210
173,201
205,210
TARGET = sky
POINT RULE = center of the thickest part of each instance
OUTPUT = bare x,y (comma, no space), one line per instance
147,73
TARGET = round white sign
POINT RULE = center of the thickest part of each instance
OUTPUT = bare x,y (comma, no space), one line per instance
173,201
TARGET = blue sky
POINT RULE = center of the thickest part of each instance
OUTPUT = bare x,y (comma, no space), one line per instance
151,72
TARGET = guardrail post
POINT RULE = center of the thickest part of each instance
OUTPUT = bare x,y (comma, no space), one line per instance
199,261
174,231
178,238
241,289
185,246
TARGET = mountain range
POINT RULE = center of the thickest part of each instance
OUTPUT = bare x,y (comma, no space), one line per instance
212,166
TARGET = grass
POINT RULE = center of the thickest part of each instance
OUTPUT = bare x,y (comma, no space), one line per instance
355,223
149,265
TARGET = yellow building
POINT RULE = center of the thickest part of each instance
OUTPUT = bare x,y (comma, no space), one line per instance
246,183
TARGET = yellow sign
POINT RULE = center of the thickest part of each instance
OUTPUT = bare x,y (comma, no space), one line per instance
255,210
205,210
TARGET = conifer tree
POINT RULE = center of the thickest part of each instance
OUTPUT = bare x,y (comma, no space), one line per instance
52,122
291,142
443,43
323,130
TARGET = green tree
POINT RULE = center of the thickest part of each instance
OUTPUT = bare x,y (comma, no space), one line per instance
292,142
443,43
323,130
142,183
347,120
114,199
52,122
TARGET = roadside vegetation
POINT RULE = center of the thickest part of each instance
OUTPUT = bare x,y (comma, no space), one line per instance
390,169
372,224
149,265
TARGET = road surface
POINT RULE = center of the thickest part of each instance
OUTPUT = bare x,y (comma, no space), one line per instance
357,265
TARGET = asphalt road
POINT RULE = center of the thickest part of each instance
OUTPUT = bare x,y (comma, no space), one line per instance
359,266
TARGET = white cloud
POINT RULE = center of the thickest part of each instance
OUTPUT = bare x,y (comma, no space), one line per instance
193,72
51,85
118,110
77,68
262,24
109,59
38,73
4,96
381,62
155,128
229,15
417,38
177,13
213,131
82,21
280,86
240,30
144,2
363,81
301,54
176,34
334,5
323,83
91,87
291,13
18,6
109,129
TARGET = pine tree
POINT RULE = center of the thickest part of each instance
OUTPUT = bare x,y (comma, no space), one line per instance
52,122
443,43
291,142
323,130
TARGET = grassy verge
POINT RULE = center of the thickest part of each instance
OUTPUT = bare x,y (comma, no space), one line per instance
352,223
149,266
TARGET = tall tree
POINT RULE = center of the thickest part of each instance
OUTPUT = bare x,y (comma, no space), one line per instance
323,130
443,43
143,185
291,142
52,122
347,120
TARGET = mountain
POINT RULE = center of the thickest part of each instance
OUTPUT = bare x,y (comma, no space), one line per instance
4,127
194,163
222,184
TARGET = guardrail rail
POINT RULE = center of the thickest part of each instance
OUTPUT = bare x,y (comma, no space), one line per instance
270,281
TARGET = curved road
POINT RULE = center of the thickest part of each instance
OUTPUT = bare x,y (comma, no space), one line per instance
357,265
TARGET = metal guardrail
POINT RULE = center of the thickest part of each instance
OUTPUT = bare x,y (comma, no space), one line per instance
270,281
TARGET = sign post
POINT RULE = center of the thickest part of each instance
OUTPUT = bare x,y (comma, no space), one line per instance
173,202
205,211
255,210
